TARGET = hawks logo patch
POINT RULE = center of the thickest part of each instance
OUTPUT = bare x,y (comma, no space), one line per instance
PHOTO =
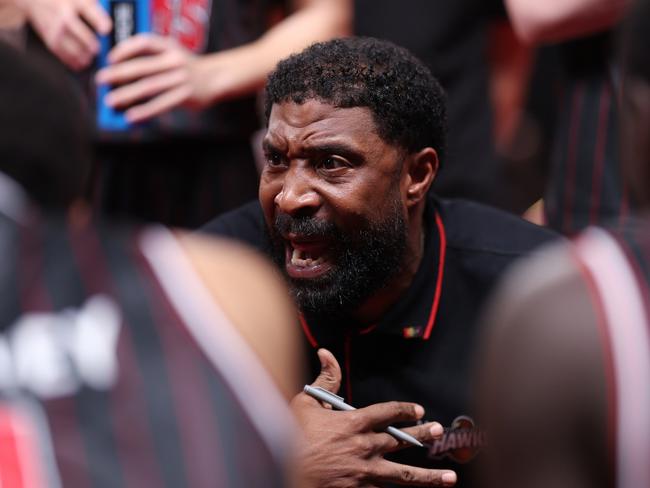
461,442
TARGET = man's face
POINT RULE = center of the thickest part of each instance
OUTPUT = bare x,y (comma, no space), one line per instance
330,191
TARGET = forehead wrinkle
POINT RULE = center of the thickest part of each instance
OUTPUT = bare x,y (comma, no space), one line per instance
341,131
295,114
309,126
312,139
291,113
273,141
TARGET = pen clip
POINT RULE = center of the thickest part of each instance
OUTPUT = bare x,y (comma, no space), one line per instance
328,392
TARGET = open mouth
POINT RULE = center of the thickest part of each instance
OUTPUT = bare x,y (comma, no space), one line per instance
306,259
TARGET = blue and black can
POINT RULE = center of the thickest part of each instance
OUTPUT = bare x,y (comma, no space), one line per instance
129,17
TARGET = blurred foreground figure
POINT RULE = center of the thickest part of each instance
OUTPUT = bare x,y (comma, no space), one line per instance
565,381
127,357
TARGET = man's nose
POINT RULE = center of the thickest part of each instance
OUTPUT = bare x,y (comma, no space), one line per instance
298,195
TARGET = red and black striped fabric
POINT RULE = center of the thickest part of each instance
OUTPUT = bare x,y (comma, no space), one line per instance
175,412
586,185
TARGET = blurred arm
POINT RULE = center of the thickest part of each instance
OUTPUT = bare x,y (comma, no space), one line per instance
158,75
312,21
255,299
243,70
67,27
538,21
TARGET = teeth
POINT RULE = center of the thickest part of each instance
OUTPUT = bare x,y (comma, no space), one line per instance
295,256
302,259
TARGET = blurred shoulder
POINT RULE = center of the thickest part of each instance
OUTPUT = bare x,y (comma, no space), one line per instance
253,295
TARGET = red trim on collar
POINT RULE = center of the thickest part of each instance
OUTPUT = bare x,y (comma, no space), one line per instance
305,329
441,270
367,329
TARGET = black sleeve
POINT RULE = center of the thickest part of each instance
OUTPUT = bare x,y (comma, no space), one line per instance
471,225
496,9
244,224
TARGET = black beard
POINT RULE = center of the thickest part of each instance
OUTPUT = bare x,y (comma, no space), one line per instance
363,261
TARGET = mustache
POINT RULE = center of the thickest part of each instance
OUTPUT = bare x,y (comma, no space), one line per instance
305,226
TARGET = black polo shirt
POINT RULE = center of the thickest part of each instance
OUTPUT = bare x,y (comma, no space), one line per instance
422,349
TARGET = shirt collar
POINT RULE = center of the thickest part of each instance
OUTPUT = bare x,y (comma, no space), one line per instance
414,315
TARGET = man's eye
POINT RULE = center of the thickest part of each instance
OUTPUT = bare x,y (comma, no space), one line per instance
274,159
332,163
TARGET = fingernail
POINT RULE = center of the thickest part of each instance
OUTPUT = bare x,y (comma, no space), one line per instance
436,429
419,411
449,478
109,100
100,77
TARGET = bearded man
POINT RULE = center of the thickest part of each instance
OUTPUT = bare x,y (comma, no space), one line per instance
388,277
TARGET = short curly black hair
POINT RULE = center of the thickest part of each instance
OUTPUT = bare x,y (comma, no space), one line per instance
407,102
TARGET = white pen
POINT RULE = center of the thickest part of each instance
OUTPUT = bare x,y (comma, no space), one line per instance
337,402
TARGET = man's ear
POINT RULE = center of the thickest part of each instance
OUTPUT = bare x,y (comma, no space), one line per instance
419,173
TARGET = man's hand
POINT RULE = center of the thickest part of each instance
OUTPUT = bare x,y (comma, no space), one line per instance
345,449
68,27
155,74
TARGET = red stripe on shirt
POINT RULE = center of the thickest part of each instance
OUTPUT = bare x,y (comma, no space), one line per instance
133,440
34,296
625,201
441,270
368,329
202,452
569,189
599,156
307,331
